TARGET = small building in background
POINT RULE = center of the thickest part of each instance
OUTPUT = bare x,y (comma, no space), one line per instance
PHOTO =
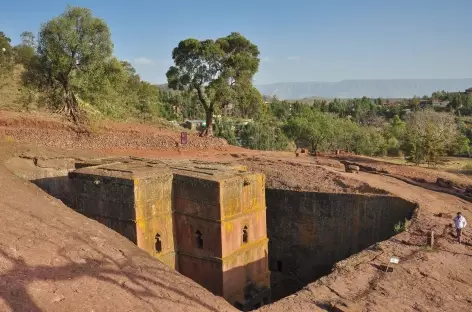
196,124
442,104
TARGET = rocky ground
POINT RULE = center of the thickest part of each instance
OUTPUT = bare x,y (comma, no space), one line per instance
414,173
55,132
53,259
306,174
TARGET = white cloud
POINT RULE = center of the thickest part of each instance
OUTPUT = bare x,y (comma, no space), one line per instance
294,58
142,61
267,59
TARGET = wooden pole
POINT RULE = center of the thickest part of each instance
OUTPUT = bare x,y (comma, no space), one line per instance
431,239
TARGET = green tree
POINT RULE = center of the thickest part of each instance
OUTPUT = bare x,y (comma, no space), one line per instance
26,50
72,47
394,134
6,57
224,128
312,127
415,103
344,134
248,101
369,141
218,71
107,89
440,95
430,135
280,110
461,146
339,107
263,134
363,110
457,101
396,128
298,108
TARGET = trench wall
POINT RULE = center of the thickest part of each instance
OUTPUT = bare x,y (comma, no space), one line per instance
309,232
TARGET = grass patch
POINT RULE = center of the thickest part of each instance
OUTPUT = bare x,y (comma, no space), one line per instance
427,248
467,166
8,139
401,226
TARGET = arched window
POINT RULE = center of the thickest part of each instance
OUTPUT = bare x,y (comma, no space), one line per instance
245,235
199,239
158,243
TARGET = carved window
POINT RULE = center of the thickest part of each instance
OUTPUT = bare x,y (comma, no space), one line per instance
245,235
158,243
199,239
279,266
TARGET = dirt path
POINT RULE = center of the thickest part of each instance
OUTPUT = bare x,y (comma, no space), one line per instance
412,172
431,201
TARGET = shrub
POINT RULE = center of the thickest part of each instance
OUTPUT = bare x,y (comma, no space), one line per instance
369,141
263,135
467,167
8,139
431,135
401,226
224,128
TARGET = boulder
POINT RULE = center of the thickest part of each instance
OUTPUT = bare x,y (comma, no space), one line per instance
444,183
352,168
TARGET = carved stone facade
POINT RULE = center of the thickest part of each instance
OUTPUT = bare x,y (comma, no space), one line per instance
206,221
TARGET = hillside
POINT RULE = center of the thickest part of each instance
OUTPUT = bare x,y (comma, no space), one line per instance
54,131
389,88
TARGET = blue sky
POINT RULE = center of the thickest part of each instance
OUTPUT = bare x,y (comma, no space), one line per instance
299,40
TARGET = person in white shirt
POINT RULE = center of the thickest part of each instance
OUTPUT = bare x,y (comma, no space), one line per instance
460,222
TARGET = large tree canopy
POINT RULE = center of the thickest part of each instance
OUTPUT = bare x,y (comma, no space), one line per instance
71,47
310,126
218,71
430,135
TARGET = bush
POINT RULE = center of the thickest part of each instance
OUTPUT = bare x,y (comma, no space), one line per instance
431,135
393,147
224,128
401,226
263,135
370,142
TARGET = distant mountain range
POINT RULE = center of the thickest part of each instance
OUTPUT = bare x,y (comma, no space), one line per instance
388,88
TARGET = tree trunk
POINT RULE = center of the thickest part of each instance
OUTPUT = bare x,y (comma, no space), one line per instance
313,147
70,108
209,123
209,112
329,147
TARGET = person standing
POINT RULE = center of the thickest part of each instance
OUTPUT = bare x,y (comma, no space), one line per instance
460,222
